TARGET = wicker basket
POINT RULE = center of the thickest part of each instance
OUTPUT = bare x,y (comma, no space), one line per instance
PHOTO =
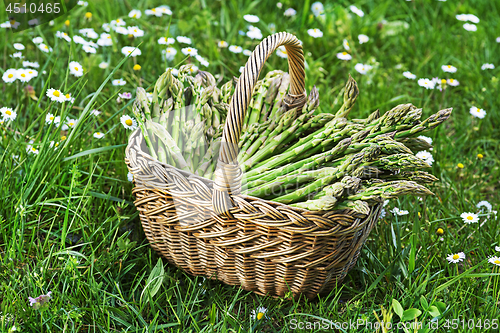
208,228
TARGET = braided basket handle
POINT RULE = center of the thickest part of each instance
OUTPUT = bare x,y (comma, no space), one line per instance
228,175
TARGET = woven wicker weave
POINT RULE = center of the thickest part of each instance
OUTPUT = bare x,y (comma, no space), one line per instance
208,228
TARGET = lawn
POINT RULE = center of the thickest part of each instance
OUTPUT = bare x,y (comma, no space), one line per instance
68,224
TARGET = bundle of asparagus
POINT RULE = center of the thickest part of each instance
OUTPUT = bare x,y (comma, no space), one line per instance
303,157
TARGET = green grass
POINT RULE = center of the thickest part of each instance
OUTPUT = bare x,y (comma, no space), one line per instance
68,224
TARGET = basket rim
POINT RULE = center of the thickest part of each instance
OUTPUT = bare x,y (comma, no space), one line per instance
138,133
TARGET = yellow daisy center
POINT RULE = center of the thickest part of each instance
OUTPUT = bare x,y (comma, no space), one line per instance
451,80
128,122
8,112
98,133
260,315
478,110
57,144
130,35
51,118
88,14
344,53
63,137
134,15
440,231
153,10
23,75
189,50
13,22
118,21
33,148
497,261
76,69
470,218
71,124
136,67
347,43
460,165
456,256
315,30
46,47
449,66
443,81
56,93
10,76
67,95
480,156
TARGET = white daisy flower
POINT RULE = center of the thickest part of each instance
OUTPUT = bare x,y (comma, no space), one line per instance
494,261
344,56
105,41
153,11
55,95
272,27
19,46
18,55
189,51
31,150
75,69
455,258
8,114
362,69
37,40
462,17
89,49
126,50
409,75
397,211
356,11
425,138
497,248
363,39
258,314
44,48
135,13
426,156
79,40
477,112
248,53
193,69
426,83
202,60
169,53
130,177
166,41
117,23
452,82
121,30
254,32
128,122
470,27
95,112
473,18
469,218
235,49
71,123
31,64
449,68
290,12
50,118
83,3
487,66
135,31
183,39
10,75
317,8
98,135
23,76
164,9
69,98
89,32
119,82
281,52
315,33
222,44
485,204
103,65
382,214
251,18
